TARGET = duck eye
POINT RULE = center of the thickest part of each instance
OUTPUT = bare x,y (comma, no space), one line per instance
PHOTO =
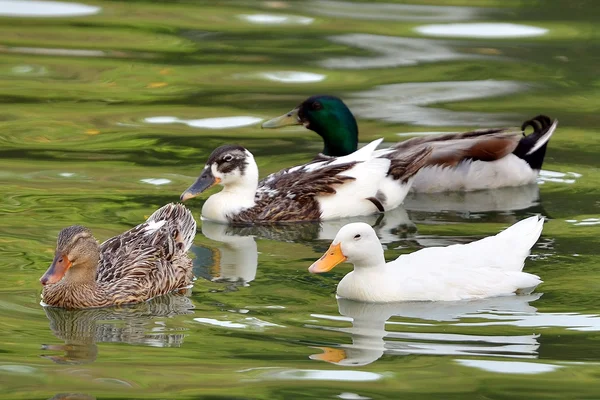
228,157
356,237
316,106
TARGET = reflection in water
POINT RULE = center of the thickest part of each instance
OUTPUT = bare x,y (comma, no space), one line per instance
407,102
237,256
510,367
82,329
392,12
557,177
392,51
207,123
369,320
482,30
584,222
72,396
32,8
318,375
503,200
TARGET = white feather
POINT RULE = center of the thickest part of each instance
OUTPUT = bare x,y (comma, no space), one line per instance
475,175
153,226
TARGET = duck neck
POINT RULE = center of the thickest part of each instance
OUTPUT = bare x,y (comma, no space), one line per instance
234,198
339,133
369,262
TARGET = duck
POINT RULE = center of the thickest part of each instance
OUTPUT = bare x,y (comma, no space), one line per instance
144,262
487,164
364,182
489,267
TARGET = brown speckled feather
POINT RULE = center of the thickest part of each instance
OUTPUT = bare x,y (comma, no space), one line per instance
290,194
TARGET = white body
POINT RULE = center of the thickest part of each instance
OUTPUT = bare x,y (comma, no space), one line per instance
488,267
475,175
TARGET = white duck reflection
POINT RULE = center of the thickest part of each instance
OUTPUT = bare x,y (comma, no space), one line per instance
369,334
236,259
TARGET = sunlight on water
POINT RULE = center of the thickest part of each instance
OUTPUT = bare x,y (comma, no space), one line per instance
393,52
408,102
482,30
293,77
207,123
392,12
32,8
272,19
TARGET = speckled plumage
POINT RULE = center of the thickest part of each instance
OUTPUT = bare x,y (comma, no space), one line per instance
147,261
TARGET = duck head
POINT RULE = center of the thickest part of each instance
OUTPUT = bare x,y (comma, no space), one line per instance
329,117
356,243
231,166
77,255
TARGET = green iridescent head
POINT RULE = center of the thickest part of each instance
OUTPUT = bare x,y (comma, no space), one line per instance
329,117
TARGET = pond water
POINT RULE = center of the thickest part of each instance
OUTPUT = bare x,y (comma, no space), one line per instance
110,109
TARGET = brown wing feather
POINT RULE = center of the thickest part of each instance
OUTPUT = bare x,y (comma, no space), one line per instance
405,163
450,150
290,195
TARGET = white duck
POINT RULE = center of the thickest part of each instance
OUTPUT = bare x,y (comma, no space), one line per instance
485,268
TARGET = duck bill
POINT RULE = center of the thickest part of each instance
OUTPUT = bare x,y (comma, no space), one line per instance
205,181
57,270
329,355
330,259
291,118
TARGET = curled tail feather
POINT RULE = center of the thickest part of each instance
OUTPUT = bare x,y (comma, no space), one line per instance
532,148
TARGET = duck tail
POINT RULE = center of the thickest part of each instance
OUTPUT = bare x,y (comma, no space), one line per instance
182,222
519,238
532,148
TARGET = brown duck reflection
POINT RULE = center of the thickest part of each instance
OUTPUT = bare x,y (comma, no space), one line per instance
82,329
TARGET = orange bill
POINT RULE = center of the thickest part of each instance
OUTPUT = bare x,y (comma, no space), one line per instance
332,257
57,270
330,355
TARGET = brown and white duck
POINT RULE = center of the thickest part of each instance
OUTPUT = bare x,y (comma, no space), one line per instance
147,261
361,183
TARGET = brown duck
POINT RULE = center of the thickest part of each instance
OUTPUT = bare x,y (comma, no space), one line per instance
147,261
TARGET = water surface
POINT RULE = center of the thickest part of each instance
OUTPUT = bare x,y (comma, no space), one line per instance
110,109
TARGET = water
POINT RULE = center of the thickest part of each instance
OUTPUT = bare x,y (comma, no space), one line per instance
109,110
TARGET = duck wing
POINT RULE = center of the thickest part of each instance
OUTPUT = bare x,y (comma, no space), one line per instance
151,258
488,144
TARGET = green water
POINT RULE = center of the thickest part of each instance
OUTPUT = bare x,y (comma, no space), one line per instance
77,139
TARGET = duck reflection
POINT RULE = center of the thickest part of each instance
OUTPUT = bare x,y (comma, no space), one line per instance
82,329
369,335
236,259
502,200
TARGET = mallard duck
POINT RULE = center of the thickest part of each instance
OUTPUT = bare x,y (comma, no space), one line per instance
361,183
147,261
485,268
488,163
